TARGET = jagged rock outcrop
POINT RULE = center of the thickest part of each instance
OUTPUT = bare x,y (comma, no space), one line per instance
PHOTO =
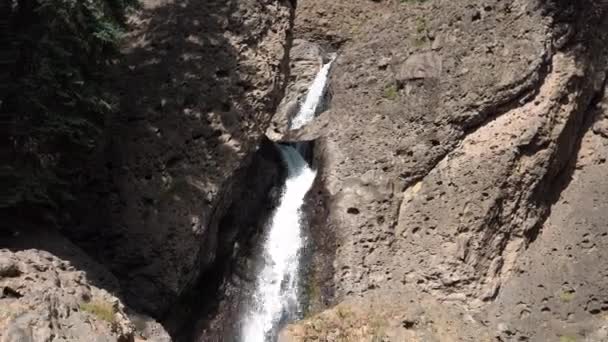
45,298
52,290
450,124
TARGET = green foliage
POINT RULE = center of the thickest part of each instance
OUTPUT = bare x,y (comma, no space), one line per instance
59,100
421,26
566,296
102,310
391,92
422,32
567,338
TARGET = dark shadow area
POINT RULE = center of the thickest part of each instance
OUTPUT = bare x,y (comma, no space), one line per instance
7,69
183,171
21,237
318,274
9,50
234,278
143,188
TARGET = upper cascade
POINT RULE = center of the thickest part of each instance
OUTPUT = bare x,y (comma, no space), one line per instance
315,95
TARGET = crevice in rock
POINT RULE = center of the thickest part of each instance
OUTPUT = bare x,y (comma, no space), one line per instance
306,58
234,279
285,61
528,89
8,292
213,309
517,96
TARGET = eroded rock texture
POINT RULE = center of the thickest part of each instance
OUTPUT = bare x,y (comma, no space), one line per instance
44,298
50,290
451,128
560,282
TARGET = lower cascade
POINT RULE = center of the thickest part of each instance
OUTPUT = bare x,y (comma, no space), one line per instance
276,298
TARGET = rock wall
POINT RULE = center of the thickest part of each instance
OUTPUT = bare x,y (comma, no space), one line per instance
183,177
200,82
459,193
451,124
559,282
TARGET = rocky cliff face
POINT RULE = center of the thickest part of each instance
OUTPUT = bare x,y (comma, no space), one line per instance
184,172
451,127
200,83
460,191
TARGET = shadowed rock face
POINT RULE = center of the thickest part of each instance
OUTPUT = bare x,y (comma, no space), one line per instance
184,172
199,82
451,126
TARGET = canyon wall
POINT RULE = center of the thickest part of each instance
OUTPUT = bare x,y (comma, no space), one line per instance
452,129
460,191
183,172
199,84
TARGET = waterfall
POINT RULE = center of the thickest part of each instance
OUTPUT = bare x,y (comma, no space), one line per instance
315,94
276,298
276,295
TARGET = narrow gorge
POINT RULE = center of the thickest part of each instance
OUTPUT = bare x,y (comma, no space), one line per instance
298,171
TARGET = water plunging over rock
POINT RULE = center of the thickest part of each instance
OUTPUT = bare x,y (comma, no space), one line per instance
313,98
276,298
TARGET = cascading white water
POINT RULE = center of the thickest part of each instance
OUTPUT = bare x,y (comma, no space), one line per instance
276,294
313,97
276,299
